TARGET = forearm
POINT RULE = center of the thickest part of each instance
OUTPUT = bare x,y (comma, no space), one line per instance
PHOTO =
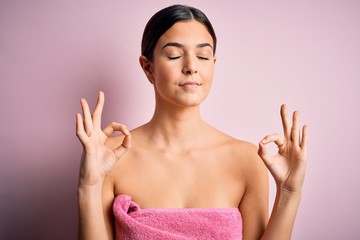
91,215
283,215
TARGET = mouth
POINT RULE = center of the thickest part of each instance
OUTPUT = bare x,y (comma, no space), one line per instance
188,85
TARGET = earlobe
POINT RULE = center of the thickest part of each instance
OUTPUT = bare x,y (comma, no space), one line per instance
147,67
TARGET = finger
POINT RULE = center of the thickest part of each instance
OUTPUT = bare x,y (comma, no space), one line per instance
87,117
275,138
285,121
113,127
96,116
304,140
264,155
127,142
80,131
123,148
295,131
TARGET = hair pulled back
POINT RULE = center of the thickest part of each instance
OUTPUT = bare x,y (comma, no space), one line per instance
161,21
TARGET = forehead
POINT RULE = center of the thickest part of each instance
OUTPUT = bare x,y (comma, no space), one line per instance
186,32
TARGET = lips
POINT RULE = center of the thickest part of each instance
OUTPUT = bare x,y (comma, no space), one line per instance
189,84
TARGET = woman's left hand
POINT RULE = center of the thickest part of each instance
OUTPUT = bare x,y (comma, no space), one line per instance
288,165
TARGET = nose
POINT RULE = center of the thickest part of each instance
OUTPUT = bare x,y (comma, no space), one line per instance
189,65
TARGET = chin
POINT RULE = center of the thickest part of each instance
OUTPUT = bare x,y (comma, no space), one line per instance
192,102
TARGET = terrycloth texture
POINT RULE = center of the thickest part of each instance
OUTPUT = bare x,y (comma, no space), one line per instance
134,223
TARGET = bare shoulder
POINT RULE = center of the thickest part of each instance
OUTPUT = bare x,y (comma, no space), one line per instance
248,152
254,176
244,153
241,148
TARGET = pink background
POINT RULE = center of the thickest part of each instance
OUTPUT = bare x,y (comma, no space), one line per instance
52,53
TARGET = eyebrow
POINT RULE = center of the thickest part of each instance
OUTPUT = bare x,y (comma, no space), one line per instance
179,45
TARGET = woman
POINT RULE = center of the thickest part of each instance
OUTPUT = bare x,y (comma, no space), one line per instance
178,162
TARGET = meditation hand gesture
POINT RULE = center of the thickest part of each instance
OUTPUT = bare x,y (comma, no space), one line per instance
97,159
288,165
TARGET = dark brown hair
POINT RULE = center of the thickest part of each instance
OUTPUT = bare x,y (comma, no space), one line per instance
161,21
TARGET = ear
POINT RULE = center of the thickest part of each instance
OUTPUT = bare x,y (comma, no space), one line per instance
146,65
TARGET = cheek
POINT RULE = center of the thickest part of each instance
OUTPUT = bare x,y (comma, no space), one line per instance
208,74
167,73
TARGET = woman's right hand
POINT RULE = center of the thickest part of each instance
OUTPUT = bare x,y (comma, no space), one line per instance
97,159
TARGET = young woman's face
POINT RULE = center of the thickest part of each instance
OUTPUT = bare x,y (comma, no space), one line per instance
183,64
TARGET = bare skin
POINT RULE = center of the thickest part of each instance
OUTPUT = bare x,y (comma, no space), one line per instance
177,160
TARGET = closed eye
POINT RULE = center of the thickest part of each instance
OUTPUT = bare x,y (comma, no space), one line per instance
202,58
173,58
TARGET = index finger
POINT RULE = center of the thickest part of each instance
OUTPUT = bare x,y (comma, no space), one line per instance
114,126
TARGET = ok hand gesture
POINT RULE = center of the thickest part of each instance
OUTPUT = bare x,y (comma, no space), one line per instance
97,159
289,164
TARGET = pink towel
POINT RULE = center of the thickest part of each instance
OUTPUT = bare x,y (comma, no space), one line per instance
134,223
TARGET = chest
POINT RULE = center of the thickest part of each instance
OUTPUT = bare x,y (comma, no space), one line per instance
193,179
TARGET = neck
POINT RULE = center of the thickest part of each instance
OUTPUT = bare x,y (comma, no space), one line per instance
176,128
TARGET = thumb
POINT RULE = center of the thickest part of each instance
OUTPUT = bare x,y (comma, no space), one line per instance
263,153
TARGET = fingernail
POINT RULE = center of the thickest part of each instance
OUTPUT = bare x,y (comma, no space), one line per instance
263,141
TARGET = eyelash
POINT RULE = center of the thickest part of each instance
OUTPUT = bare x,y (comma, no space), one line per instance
203,58
177,57
173,58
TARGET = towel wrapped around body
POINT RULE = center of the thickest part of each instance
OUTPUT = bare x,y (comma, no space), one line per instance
134,223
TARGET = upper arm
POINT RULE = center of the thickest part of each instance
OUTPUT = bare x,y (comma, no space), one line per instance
107,200
108,192
254,204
